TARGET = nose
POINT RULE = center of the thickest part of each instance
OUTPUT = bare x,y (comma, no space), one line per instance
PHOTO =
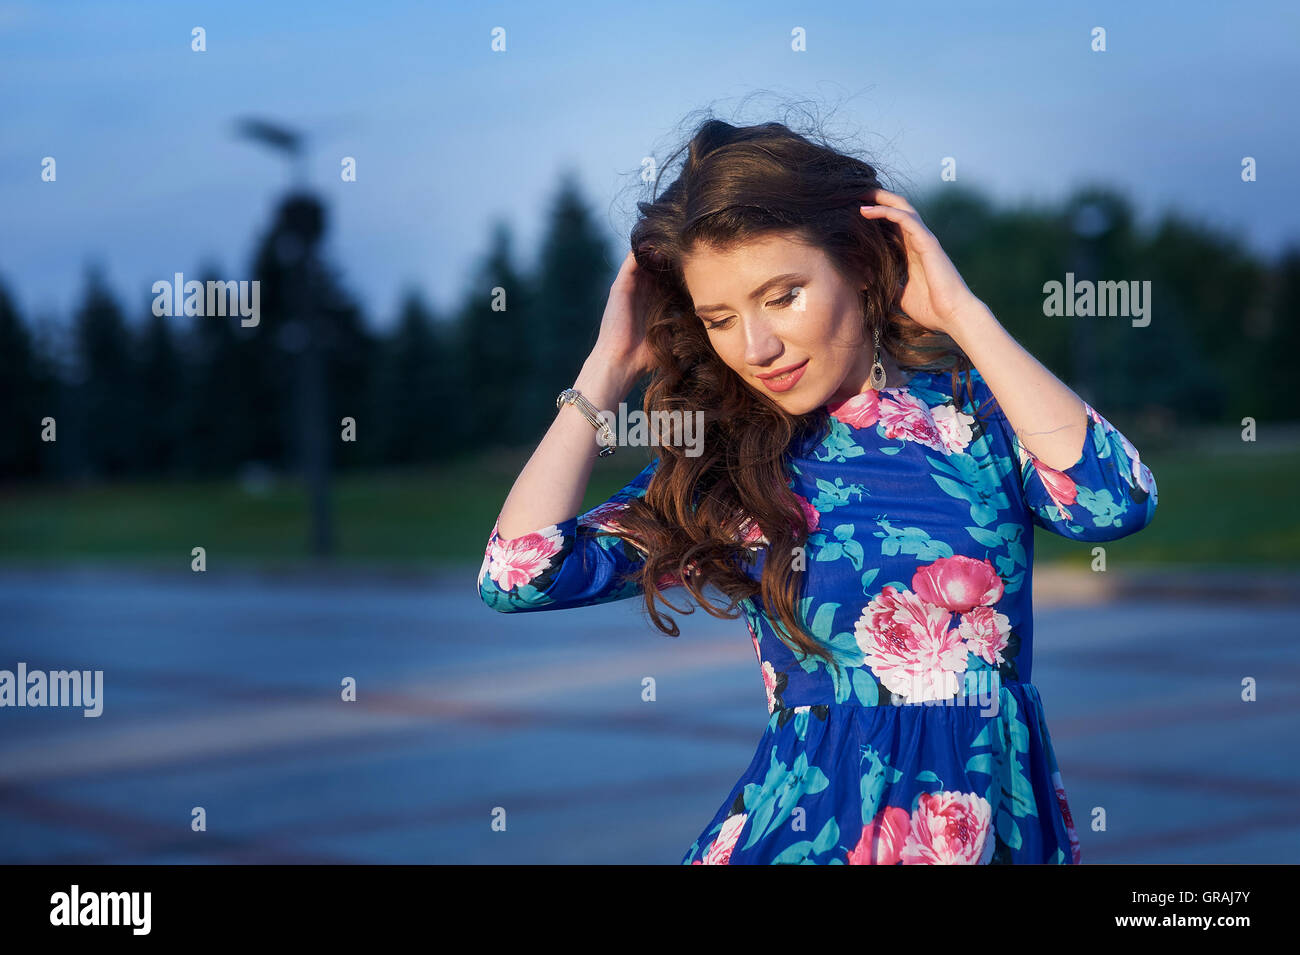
762,344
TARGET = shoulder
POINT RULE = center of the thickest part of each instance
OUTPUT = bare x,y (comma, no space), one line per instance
947,387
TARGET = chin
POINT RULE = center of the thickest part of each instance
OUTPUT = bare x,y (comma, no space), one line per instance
796,404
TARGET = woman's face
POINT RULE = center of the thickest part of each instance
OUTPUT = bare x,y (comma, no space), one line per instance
775,306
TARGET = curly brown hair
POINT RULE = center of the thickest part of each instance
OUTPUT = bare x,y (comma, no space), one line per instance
738,184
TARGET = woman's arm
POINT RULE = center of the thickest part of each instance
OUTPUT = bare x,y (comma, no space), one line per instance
550,487
1048,418
542,554
1104,493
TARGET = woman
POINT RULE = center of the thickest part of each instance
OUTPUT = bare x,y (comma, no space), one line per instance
871,519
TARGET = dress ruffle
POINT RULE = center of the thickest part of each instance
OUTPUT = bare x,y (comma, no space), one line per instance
913,784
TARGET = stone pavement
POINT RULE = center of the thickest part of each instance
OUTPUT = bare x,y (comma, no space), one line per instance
223,692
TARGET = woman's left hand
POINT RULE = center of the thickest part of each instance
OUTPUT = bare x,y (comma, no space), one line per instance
935,295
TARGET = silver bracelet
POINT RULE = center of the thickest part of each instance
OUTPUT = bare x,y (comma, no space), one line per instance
572,396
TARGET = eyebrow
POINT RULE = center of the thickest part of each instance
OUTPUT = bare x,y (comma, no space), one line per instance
776,280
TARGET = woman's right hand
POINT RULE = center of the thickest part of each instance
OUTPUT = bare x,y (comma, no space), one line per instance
622,339
550,488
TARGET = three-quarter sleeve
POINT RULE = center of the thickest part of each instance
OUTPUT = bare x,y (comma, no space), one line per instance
1108,493
574,563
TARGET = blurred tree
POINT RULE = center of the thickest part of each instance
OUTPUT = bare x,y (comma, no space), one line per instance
205,395
108,412
572,286
226,415
413,408
24,394
159,385
500,353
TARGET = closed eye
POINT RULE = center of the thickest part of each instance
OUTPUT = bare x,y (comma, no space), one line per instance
783,302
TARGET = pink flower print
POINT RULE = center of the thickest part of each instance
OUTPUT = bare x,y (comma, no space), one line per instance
1060,487
1069,819
752,535
949,828
882,838
668,581
985,632
769,685
719,853
953,427
515,562
958,583
908,645
1142,475
603,517
810,514
671,579
860,411
906,416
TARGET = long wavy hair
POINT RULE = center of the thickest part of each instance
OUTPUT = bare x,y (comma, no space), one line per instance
697,521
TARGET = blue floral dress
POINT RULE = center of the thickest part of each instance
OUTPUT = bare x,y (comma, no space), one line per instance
924,741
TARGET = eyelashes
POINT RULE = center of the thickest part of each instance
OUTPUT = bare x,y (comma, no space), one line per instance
785,301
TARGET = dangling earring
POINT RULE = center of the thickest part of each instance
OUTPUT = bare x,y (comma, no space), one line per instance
877,379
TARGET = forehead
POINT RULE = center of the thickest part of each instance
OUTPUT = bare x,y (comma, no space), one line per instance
711,267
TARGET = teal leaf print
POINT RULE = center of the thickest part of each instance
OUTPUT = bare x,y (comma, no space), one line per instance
842,546
911,540
844,646
865,688
839,444
1106,511
867,578
828,837
772,803
968,480
831,496
800,852
1009,790
980,763
878,775
1008,831
821,624
801,718
985,537
820,627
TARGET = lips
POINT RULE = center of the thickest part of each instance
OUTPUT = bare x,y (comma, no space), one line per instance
783,379
782,371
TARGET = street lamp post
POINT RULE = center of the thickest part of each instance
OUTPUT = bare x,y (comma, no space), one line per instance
300,224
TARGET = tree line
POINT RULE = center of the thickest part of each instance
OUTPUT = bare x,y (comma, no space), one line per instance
143,395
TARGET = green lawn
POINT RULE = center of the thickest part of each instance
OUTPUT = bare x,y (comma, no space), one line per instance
1221,509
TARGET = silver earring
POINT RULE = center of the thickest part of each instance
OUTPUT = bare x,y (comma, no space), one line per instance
877,379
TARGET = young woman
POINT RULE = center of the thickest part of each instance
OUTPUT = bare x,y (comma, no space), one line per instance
871,518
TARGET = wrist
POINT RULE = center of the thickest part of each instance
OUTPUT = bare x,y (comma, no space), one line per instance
970,320
604,382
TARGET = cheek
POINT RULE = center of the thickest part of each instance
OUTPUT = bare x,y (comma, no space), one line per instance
726,350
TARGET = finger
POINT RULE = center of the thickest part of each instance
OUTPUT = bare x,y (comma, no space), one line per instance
906,220
886,198
902,216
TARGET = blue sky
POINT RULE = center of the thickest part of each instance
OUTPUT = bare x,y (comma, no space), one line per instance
450,136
